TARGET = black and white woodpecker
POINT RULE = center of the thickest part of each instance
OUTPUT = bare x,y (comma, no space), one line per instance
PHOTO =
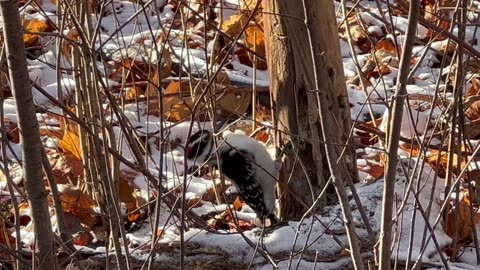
245,162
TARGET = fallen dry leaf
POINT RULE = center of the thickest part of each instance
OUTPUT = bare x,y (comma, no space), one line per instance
126,191
474,89
243,225
133,215
130,71
263,114
379,71
237,204
234,25
375,170
66,167
234,104
262,136
436,14
386,52
464,220
35,26
180,111
440,161
133,92
173,102
11,130
81,239
178,102
412,149
255,41
473,111
77,203
194,202
249,5
72,36
253,35
71,143
6,240
210,194
159,72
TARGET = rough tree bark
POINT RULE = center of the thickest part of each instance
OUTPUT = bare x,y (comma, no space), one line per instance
294,97
29,134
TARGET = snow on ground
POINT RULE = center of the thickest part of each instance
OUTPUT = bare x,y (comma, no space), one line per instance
295,236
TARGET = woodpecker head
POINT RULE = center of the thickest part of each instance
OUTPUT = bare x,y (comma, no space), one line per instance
199,146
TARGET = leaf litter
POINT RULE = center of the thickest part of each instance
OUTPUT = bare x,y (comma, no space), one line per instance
132,59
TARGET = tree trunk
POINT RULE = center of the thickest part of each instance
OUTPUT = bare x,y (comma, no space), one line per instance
29,135
294,97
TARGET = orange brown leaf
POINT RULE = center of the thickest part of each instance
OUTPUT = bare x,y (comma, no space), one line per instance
71,143
237,204
35,26
464,225
78,203
375,170
81,240
66,167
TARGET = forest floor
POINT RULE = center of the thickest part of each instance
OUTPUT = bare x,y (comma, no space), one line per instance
143,47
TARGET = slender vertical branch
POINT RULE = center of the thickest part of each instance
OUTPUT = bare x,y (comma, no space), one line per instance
393,138
29,133
457,123
6,171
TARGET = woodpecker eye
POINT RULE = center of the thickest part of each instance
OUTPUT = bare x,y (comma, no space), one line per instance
205,138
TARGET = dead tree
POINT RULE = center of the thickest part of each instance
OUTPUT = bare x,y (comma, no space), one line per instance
294,97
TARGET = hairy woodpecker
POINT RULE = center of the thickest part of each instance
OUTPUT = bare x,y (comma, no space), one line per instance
245,162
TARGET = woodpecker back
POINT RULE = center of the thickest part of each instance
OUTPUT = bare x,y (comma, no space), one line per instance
246,163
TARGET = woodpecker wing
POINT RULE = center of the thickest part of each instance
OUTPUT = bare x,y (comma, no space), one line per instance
239,166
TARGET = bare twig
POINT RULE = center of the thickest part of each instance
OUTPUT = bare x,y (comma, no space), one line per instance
392,138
